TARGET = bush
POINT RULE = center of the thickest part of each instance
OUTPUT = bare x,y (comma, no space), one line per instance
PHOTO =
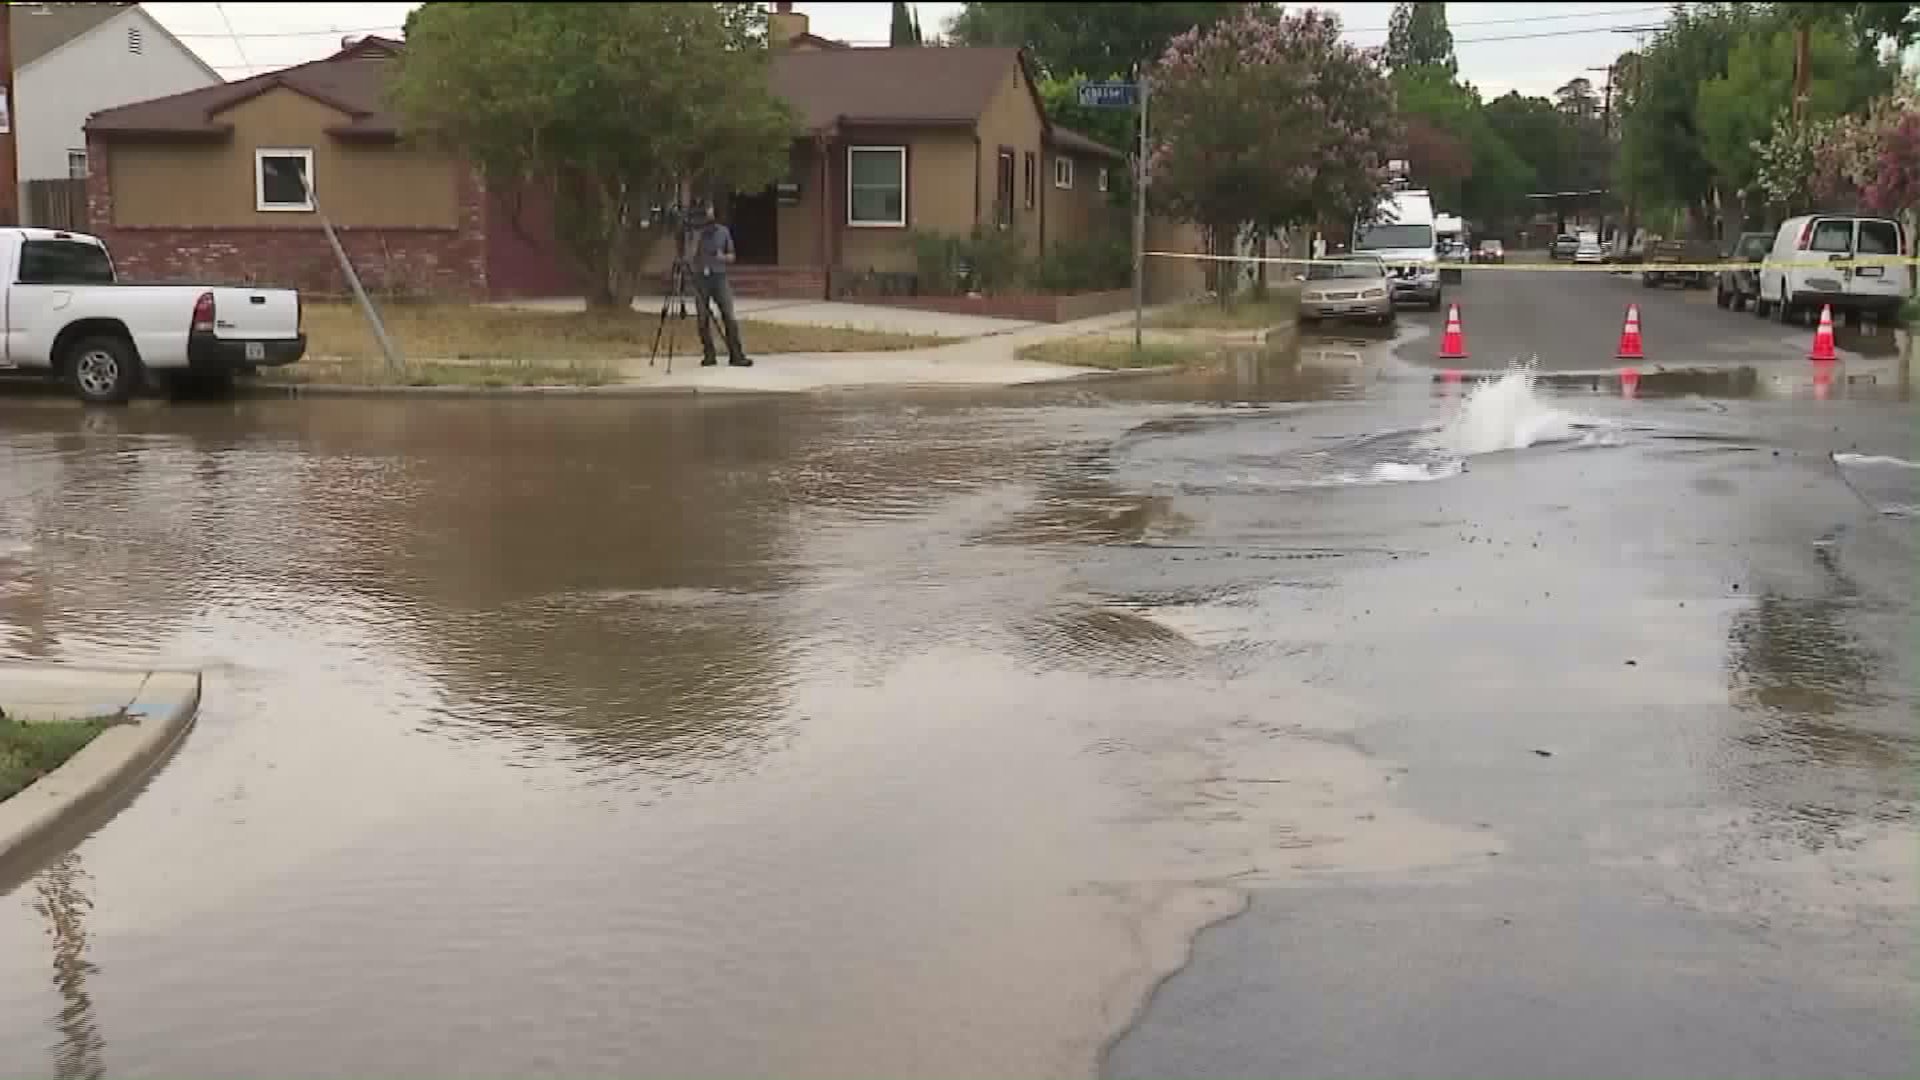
1094,263
987,260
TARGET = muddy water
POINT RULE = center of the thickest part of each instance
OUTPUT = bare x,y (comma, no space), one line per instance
749,739
856,736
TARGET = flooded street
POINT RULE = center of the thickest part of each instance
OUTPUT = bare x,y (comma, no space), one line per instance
921,734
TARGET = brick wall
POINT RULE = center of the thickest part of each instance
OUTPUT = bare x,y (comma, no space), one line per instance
411,262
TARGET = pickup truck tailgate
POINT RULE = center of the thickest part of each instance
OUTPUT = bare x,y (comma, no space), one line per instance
256,314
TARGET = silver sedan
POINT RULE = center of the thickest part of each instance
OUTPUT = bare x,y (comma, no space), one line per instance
1355,288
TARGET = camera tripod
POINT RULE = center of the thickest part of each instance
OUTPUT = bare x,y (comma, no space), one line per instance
679,279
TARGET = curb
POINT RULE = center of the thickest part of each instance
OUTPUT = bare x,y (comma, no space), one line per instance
34,822
615,390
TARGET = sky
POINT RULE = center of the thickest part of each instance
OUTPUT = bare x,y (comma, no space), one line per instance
1532,48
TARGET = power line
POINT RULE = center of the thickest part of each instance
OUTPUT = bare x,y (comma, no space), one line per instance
1612,13
239,48
298,33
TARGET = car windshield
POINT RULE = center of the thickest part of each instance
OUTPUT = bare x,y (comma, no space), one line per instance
1359,269
1384,237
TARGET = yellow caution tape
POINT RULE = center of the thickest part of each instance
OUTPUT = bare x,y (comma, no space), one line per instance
1586,268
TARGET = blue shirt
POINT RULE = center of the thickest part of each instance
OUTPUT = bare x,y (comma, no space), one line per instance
709,244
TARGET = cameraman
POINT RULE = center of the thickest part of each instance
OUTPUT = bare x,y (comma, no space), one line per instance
712,252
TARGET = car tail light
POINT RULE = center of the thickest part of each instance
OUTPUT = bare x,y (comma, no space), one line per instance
1806,236
203,314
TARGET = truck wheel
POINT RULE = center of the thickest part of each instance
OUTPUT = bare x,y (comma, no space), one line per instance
103,370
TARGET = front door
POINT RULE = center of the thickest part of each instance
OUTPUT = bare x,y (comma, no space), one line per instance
755,221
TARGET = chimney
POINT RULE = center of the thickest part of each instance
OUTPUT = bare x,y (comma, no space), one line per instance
784,24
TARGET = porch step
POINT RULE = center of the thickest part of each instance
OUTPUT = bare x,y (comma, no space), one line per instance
778,282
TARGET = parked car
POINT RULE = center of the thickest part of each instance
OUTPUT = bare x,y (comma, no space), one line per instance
1357,289
69,315
1589,250
1563,246
1490,251
1798,277
1675,253
1738,286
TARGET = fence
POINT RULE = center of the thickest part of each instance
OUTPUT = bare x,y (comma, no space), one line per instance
56,204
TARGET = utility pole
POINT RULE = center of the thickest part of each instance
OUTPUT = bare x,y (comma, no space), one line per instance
9,150
1802,68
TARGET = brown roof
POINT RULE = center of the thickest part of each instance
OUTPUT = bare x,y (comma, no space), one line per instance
38,29
1069,139
351,81
909,86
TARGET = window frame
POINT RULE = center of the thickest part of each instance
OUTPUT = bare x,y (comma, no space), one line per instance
260,156
86,164
1004,195
1105,178
1031,172
1059,160
900,155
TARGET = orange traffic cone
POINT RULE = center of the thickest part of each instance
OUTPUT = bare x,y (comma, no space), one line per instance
1629,381
1453,344
1630,335
1823,337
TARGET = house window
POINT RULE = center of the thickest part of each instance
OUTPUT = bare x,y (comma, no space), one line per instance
1003,191
1063,172
877,186
1032,178
281,179
76,164
1106,181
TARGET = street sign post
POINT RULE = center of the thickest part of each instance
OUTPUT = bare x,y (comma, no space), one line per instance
1128,95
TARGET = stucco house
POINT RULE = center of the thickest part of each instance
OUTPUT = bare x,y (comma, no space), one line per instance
74,59
891,141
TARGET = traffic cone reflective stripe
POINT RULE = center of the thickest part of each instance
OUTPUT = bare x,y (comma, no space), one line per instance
1630,335
1823,337
1453,343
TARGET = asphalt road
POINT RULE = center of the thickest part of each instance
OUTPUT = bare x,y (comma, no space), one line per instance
1571,321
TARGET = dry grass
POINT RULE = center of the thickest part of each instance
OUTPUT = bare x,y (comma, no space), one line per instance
372,371
1277,309
435,332
1111,354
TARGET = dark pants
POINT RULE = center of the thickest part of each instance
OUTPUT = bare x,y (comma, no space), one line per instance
713,288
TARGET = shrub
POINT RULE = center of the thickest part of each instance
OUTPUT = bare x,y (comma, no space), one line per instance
987,260
1094,263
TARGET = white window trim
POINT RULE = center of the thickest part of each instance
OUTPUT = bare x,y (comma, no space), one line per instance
260,157
1063,179
1106,179
85,163
899,152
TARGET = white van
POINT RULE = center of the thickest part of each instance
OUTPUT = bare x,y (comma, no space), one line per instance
1404,239
1798,277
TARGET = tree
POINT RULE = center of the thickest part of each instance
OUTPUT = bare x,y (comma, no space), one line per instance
1269,120
1736,112
906,25
606,109
1496,180
1114,127
1662,157
1417,36
1099,40
1540,136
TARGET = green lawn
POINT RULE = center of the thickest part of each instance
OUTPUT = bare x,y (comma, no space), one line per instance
30,751
1244,313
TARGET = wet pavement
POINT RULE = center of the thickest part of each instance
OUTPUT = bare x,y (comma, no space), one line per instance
1545,734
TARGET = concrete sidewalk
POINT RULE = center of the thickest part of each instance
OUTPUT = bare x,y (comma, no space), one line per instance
151,711
872,317
991,360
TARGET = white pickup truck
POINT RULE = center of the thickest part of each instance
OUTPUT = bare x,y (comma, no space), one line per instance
67,315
